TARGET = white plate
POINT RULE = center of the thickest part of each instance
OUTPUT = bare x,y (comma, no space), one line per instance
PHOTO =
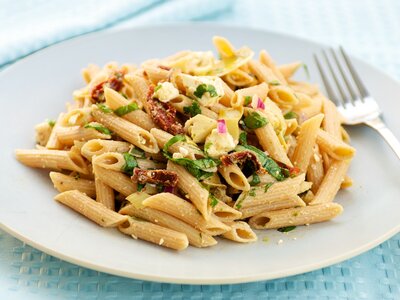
37,87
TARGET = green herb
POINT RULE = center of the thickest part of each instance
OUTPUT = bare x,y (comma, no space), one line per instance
290,115
123,110
295,214
99,128
204,88
243,138
274,82
254,120
177,138
268,163
140,186
305,67
252,192
77,176
193,109
51,123
286,229
255,180
104,108
138,152
247,100
159,187
124,95
267,186
240,200
199,168
207,147
159,86
130,163
214,201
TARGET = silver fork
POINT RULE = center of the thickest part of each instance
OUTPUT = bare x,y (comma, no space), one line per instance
350,95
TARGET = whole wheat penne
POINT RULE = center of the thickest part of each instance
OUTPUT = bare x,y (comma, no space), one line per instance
53,142
225,213
98,147
77,117
141,88
315,171
155,234
331,183
63,183
334,147
234,177
240,232
196,238
130,132
262,72
91,209
116,180
104,194
296,216
196,193
270,192
68,135
115,100
185,211
273,204
110,161
288,70
305,142
52,159
261,90
266,59
331,122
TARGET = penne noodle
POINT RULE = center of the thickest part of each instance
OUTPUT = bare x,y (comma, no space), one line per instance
334,147
288,70
296,216
53,142
52,159
196,238
305,142
315,171
155,234
240,232
104,194
63,183
331,123
331,183
116,180
91,209
98,147
110,160
128,131
43,132
225,213
68,135
266,59
234,177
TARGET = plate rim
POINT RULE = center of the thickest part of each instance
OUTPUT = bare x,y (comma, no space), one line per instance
209,280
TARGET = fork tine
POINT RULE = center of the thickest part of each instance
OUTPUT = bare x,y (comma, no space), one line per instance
361,87
327,85
345,99
344,76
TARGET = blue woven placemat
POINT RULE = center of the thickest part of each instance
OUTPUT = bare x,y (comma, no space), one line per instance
368,29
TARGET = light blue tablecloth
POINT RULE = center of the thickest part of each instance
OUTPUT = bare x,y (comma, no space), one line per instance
368,29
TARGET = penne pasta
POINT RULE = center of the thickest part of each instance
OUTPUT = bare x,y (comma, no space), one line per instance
104,194
334,147
98,147
63,183
68,135
240,232
91,209
296,216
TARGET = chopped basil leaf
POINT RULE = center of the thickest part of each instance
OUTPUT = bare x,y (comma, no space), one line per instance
254,121
207,147
255,180
138,152
159,86
252,192
290,115
99,128
130,163
247,100
243,138
123,110
204,88
51,123
140,186
193,109
274,82
124,95
214,201
267,186
177,138
286,229
305,67
104,108
268,163
159,187
77,176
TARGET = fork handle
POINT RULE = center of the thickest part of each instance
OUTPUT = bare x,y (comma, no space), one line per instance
386,133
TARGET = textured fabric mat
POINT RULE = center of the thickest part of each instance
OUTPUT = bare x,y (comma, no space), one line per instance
368,29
